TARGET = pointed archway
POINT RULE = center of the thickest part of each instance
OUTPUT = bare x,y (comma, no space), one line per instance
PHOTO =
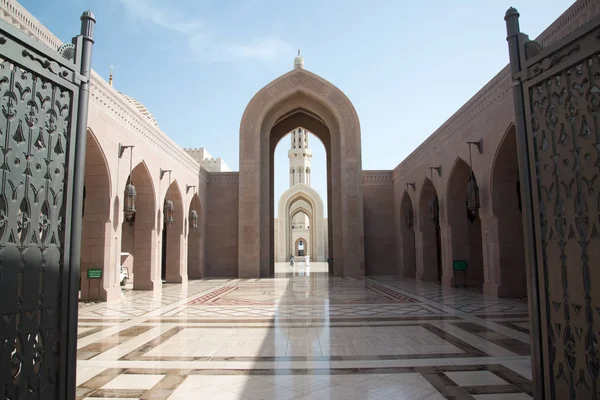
465,230
428,238
195,251
172,260
296,197
407,238
507,212
96,224
138,236
300,98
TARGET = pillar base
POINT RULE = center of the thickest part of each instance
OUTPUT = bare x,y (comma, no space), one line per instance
112,293
491,289
147,285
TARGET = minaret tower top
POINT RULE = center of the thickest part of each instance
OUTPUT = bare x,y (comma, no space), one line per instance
300,158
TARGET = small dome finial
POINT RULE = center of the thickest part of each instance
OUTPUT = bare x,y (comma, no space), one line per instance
298,61
110,77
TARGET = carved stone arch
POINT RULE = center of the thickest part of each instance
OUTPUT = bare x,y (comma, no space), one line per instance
96,225
172,262
407,237
510,277
459,174
196,239
300,98
99,160
138,239
427,237
464,236
318,240
505,152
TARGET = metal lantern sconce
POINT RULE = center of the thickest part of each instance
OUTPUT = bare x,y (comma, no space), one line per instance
130,194
169,207
193,213
194,220
473,200
434,205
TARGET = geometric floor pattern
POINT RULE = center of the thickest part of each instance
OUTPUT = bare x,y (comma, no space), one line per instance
304,335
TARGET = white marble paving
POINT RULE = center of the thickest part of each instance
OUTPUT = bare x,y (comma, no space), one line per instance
310,335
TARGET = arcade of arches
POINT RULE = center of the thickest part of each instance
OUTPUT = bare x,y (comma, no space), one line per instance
419,272
415,221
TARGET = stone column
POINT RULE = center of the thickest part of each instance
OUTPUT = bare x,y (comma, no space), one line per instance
146,257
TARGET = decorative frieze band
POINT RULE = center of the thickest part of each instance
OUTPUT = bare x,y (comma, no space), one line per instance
223,178
377,177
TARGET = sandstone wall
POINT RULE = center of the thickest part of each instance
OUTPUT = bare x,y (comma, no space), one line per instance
222,229
380,226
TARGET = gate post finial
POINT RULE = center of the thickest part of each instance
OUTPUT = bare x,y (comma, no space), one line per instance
512,22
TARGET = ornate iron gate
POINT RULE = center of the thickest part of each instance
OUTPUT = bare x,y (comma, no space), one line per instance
42,138
557,107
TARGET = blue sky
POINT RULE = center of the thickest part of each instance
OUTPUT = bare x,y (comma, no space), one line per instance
406,65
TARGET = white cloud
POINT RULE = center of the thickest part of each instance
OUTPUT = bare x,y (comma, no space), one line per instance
206,48
167,18
203,45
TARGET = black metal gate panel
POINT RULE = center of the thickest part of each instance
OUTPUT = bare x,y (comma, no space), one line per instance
40,142
557,104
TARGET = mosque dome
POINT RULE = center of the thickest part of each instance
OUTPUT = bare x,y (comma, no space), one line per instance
141,108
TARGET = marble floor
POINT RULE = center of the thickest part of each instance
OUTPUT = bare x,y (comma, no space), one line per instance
304,335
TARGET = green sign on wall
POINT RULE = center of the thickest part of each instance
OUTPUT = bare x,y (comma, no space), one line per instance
459,265
94,274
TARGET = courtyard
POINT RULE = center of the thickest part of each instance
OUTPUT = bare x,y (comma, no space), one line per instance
304,335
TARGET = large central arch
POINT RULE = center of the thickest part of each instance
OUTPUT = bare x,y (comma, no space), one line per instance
300,98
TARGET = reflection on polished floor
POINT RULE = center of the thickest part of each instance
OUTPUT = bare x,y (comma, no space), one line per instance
304,335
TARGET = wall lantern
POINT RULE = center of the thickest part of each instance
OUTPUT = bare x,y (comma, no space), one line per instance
434,209
193,213
194,220
169,207
434,205
408,218
473,201
129,196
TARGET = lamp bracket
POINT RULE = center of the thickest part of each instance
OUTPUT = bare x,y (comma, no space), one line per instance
437,169
122,149
188,187
411,184
163,172
478,144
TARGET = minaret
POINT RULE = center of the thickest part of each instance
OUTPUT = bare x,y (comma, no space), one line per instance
300,157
